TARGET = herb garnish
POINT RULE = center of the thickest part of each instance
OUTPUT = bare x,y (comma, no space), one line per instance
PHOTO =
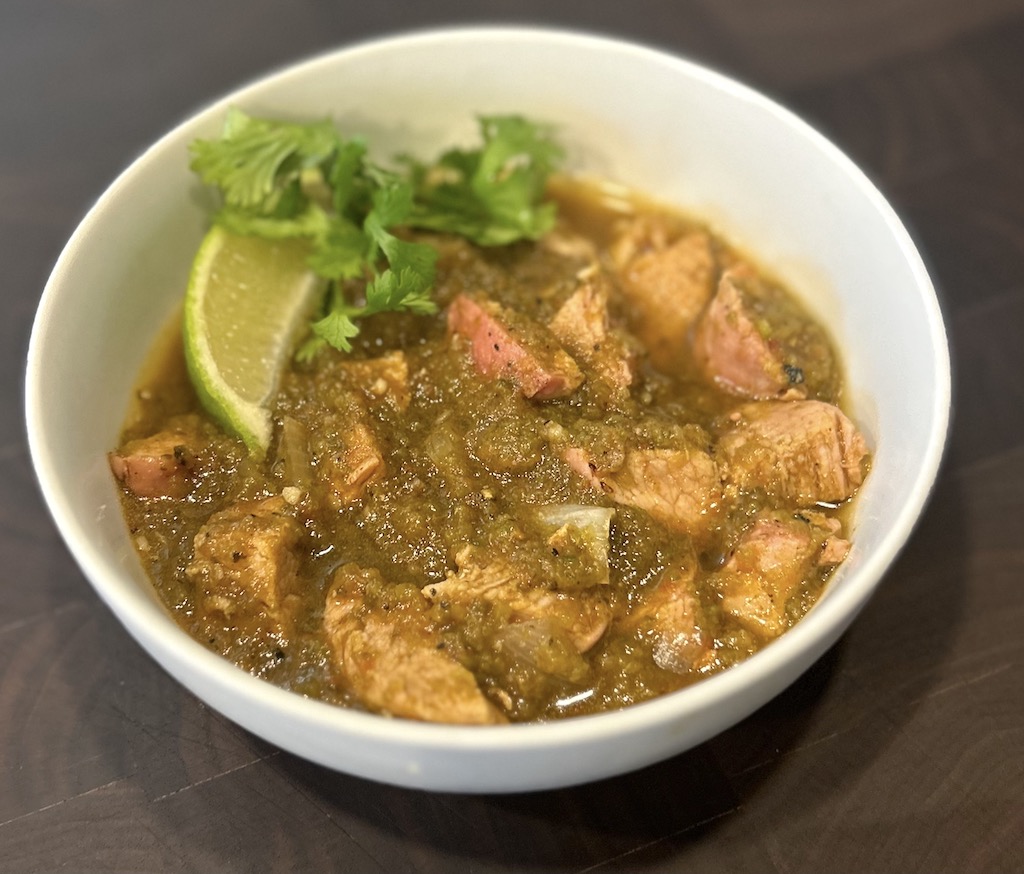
284,179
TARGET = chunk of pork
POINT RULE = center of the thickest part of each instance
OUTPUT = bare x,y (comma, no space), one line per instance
680,487
733,345
384,379
672,616
244,563
161,465
582,326
583,615
668,282
392,658
348,456
773,557
506,345
802,451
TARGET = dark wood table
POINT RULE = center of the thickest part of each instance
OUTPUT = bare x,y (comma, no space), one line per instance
901,750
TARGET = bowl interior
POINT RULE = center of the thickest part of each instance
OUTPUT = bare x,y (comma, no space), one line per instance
634,116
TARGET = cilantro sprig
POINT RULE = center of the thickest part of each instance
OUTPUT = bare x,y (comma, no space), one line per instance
283,179
493,195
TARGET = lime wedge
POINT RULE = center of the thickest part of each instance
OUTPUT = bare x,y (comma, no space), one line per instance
247,301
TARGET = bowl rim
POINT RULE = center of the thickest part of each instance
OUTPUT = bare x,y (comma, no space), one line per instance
165,640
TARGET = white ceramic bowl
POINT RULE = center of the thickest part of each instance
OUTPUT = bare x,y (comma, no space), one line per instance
640,117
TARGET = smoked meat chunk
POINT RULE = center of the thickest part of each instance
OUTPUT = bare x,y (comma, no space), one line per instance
667,282
680,487
161,465
805,452
582,617
731,347
582,325
772,558
506,345
672,616
386,651
244,563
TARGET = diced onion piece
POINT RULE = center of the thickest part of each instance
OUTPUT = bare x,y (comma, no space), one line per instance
590,525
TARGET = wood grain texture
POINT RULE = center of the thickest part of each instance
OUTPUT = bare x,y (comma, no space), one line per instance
901,750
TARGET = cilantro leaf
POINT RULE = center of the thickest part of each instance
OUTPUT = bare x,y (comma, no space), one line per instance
394,290
337,328
339,251
419,259
494,195
256,162
392,201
